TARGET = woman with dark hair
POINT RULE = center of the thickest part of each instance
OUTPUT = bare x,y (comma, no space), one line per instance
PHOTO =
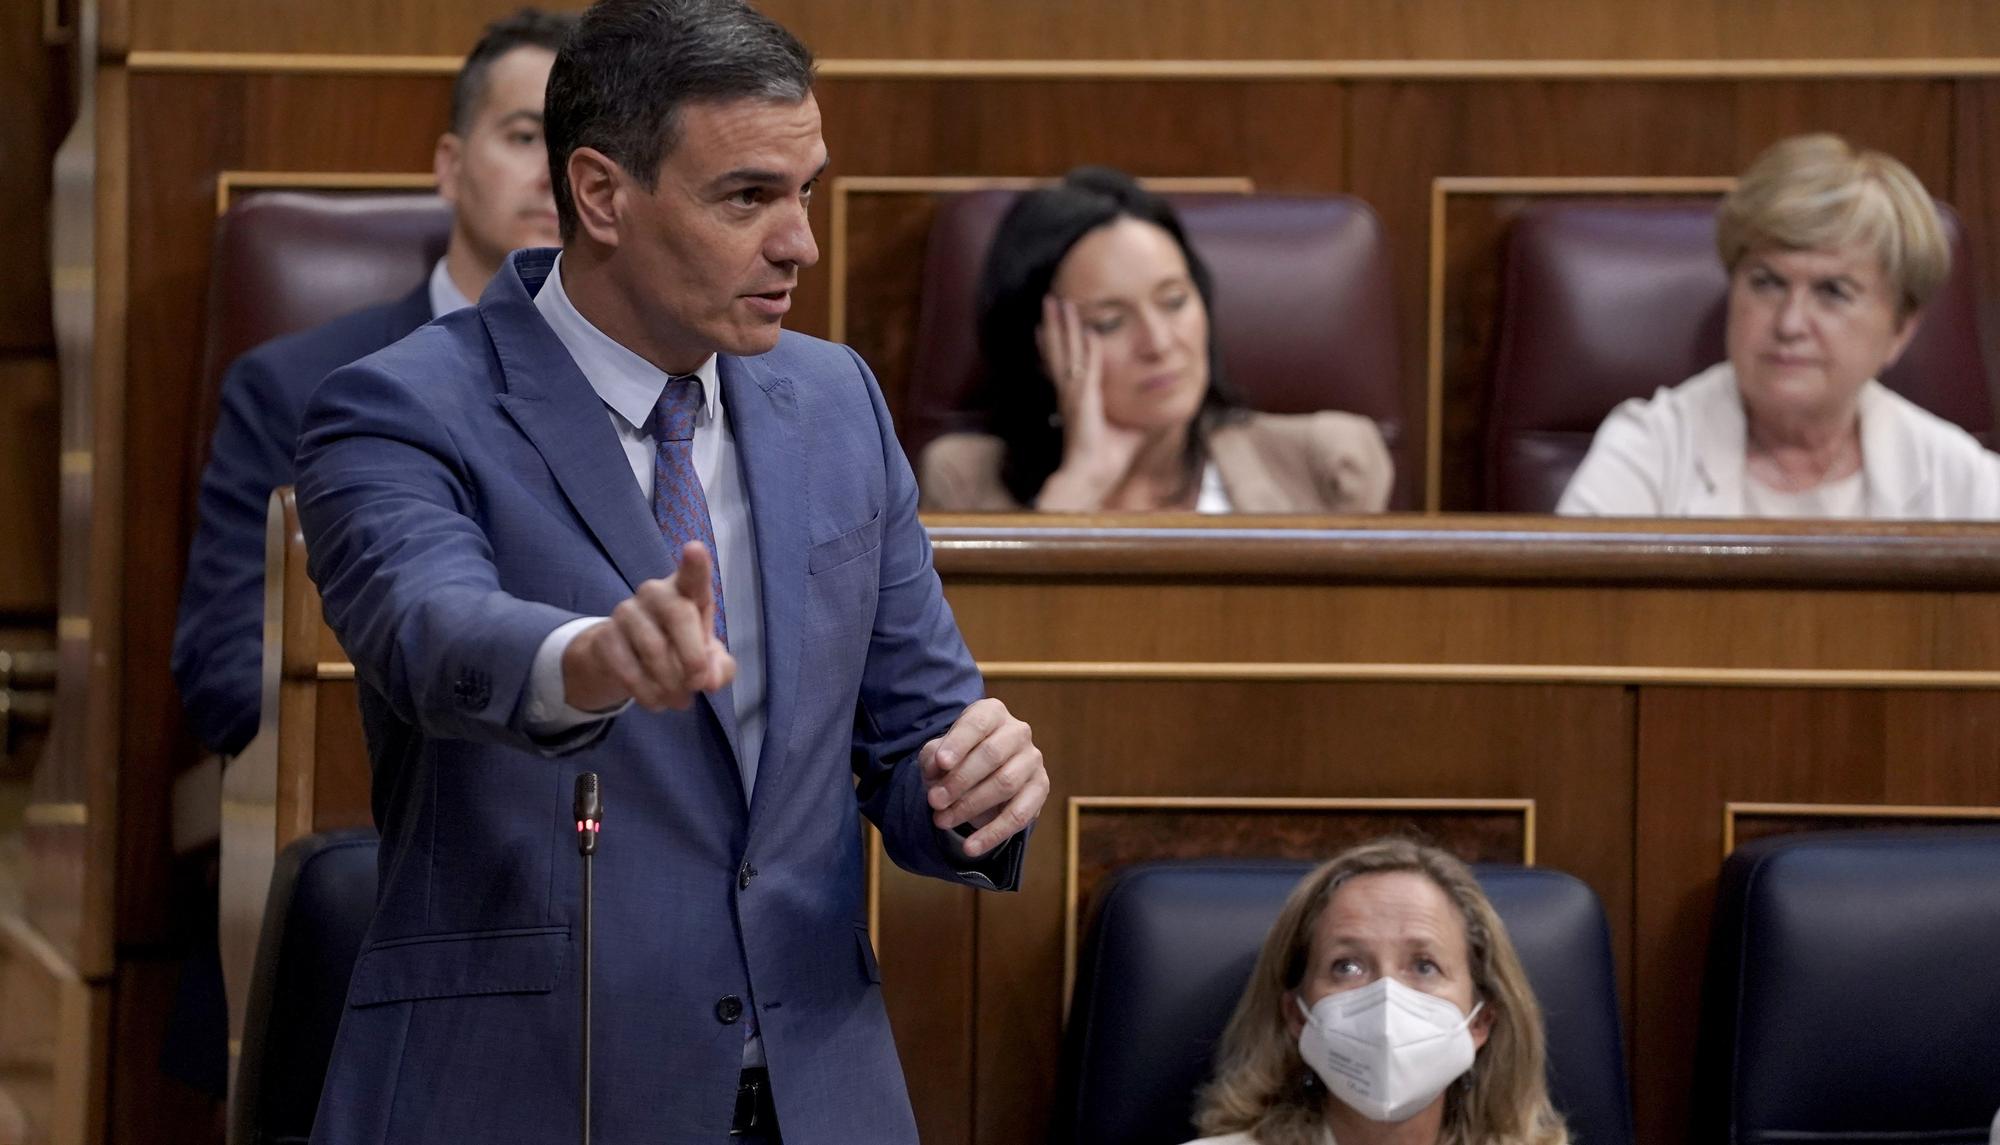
1105,387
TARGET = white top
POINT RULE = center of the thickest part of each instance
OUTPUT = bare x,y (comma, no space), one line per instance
1683,453
445,294
631,387
1831,500
1325,1138
1214,496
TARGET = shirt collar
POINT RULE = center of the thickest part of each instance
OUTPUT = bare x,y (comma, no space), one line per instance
629,384
445,294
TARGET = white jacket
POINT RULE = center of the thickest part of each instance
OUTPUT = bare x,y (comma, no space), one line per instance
1682,454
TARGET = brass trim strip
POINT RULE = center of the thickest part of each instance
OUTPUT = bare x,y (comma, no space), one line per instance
1077,804
56,815
73,628
1108,69
1730,811
1445,186
1311,672
1307,672
229,183
846,185
75,462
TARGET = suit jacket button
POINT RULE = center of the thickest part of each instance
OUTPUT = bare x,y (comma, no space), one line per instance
728,1009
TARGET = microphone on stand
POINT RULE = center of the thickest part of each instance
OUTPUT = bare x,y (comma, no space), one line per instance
588,804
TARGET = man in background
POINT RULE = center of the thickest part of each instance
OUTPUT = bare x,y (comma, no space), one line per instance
493,170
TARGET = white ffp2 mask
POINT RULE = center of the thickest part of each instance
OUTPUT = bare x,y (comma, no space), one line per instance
1385,1049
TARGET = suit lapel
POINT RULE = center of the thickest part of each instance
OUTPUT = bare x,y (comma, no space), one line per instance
763,416
555,406
552,402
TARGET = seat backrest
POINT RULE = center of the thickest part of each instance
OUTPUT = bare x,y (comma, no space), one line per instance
1305,310
1853,993
289,260
1604,301
322,898
1171,947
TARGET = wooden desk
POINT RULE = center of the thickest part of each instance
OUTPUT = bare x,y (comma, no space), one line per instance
1616,700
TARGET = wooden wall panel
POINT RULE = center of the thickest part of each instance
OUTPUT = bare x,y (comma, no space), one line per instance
1174,29
29,434
1699,749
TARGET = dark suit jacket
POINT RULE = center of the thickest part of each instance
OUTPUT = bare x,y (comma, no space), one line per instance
463,493
219,640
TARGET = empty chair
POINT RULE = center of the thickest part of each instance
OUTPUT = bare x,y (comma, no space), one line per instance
322,897
1604,301
1172,944
1304,312
1852,991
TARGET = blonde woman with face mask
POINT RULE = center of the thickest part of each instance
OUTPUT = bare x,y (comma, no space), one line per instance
1386,1008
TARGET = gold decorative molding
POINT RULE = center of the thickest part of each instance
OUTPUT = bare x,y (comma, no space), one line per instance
1080,805
56,815
1442,189
228,184
847,185
1614,674
1731,811
1107,69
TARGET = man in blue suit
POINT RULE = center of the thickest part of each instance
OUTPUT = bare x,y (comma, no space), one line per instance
493,170
614,520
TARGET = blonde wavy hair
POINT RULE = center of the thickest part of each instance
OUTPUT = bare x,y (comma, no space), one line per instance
1820,192
1264,1088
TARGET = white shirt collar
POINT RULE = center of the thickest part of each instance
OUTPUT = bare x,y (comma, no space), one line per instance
628,383
445,294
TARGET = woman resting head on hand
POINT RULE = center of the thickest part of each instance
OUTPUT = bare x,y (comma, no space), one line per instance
1387,1006
1105,384
1832,253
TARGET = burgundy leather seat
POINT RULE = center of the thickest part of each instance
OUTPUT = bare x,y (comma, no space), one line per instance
289,260
1304,308
1601,302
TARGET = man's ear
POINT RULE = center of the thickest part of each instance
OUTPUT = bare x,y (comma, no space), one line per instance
597,188
445,160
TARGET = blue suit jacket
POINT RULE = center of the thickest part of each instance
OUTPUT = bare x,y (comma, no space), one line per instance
463,493
219,640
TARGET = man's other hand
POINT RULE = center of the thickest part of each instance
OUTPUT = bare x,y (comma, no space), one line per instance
985,771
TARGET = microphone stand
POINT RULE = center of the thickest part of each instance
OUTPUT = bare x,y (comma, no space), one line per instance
588,804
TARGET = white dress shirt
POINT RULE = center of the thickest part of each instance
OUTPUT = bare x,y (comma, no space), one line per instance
445,294
630,387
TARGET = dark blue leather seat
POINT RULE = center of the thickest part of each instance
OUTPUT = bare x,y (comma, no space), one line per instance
1172,945
322,897
1853,994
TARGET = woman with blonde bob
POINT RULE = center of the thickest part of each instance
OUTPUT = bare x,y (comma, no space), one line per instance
1832,253
1387,1005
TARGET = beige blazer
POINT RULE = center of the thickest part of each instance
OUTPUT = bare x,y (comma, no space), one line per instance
1323,462
1682,454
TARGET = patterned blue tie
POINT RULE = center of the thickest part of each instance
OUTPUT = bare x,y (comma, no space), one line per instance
678,503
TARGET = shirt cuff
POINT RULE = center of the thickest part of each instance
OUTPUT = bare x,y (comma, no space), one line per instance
547,713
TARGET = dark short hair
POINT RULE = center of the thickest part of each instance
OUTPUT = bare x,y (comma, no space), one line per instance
621,78
1036,234
528,28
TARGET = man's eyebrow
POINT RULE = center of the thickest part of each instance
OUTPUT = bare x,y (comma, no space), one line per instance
763,177
534,117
